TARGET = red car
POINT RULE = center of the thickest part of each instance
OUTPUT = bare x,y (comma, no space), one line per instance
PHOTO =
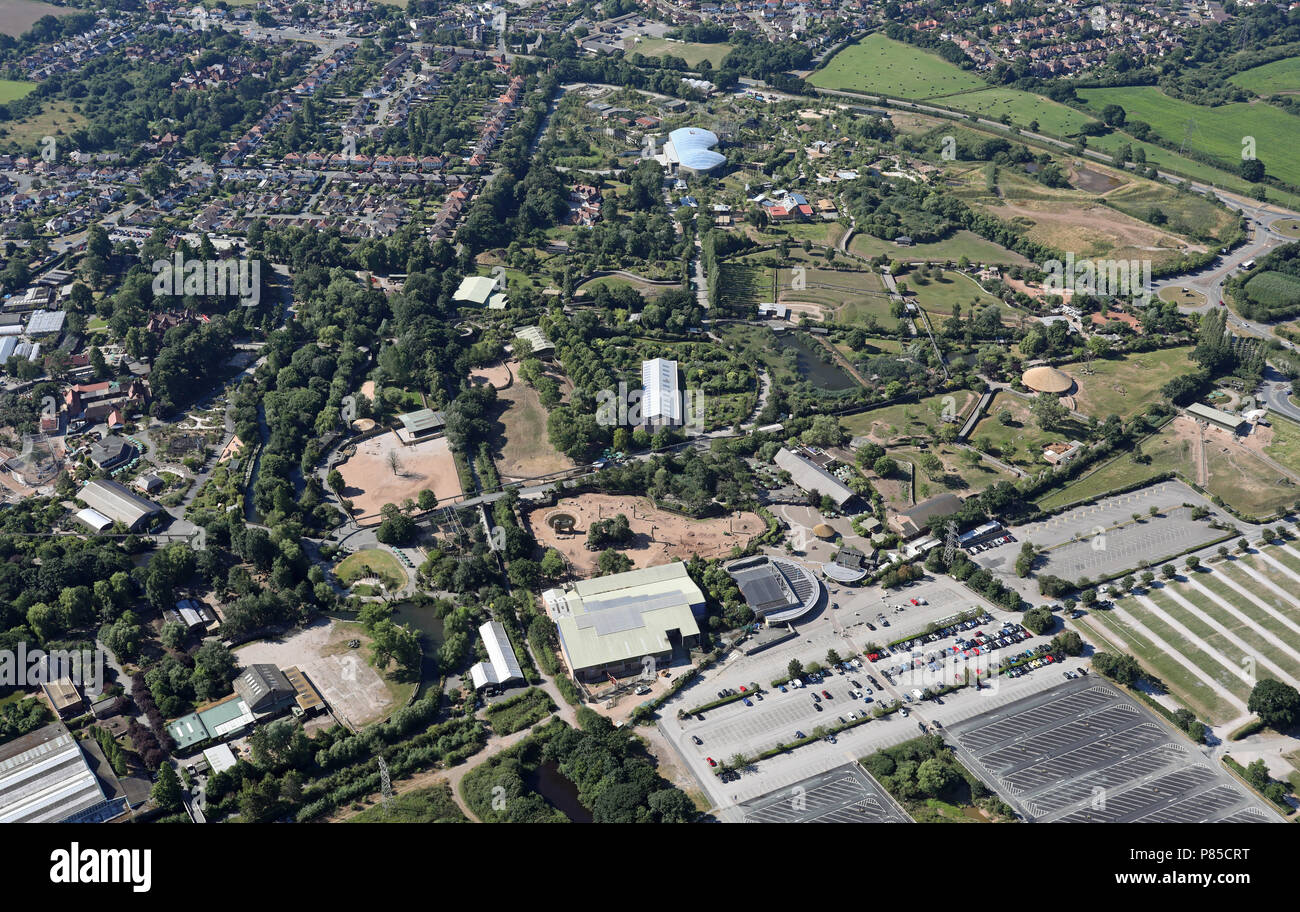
915,602
712,762
871,657
742,689
1049,658
826,694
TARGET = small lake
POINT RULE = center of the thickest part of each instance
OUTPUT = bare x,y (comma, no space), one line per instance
820,373
556,788
429,626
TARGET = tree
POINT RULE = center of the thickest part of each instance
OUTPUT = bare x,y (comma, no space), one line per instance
1122,668
394,462
1168,571
1039,619
795,668
934,776
1067,642
553,565
884,466
1049,412
167,792
1193,563
1276,704
1113,115
1251,169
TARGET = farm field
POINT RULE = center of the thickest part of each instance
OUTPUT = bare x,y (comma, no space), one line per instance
1126,386
659,536
880,64
1020,108
1210,633
908,419
1278,77
690,51
1219,130
963,243
17,16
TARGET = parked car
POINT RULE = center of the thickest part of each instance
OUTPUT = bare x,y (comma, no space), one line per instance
712,762
826,694
696,739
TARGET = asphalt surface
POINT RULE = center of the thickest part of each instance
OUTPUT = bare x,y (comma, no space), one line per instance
1084,752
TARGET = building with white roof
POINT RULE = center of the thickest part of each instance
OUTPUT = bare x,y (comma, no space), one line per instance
661,401
46,778
690,149
480,291
608,626
502,666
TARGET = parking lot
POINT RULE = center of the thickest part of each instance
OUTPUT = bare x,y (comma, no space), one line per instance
778,718
1104,546
1084,752
846,794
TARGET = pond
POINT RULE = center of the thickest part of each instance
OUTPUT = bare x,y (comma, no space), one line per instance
812,365
429,626
559,791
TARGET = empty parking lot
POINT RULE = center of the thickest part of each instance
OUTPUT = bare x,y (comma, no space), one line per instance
1086,753
846,794
1102,539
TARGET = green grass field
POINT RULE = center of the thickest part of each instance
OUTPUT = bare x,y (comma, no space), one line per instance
1020,443
1285,446
1263,622
915,419
690,51
1189,214
937,297
13,89
1021,107
1219,131
963,243
1126,386
373,562
880,64
1271,78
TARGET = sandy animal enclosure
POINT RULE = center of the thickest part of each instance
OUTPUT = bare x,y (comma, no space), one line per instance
371,482
661,537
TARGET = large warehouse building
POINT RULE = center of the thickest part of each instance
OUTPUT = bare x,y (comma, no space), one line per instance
46,778
118,503
609,625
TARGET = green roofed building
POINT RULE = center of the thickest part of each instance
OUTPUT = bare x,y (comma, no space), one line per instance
230,716
610,624
420,425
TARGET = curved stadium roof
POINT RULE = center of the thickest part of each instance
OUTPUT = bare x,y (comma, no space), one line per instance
695,148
